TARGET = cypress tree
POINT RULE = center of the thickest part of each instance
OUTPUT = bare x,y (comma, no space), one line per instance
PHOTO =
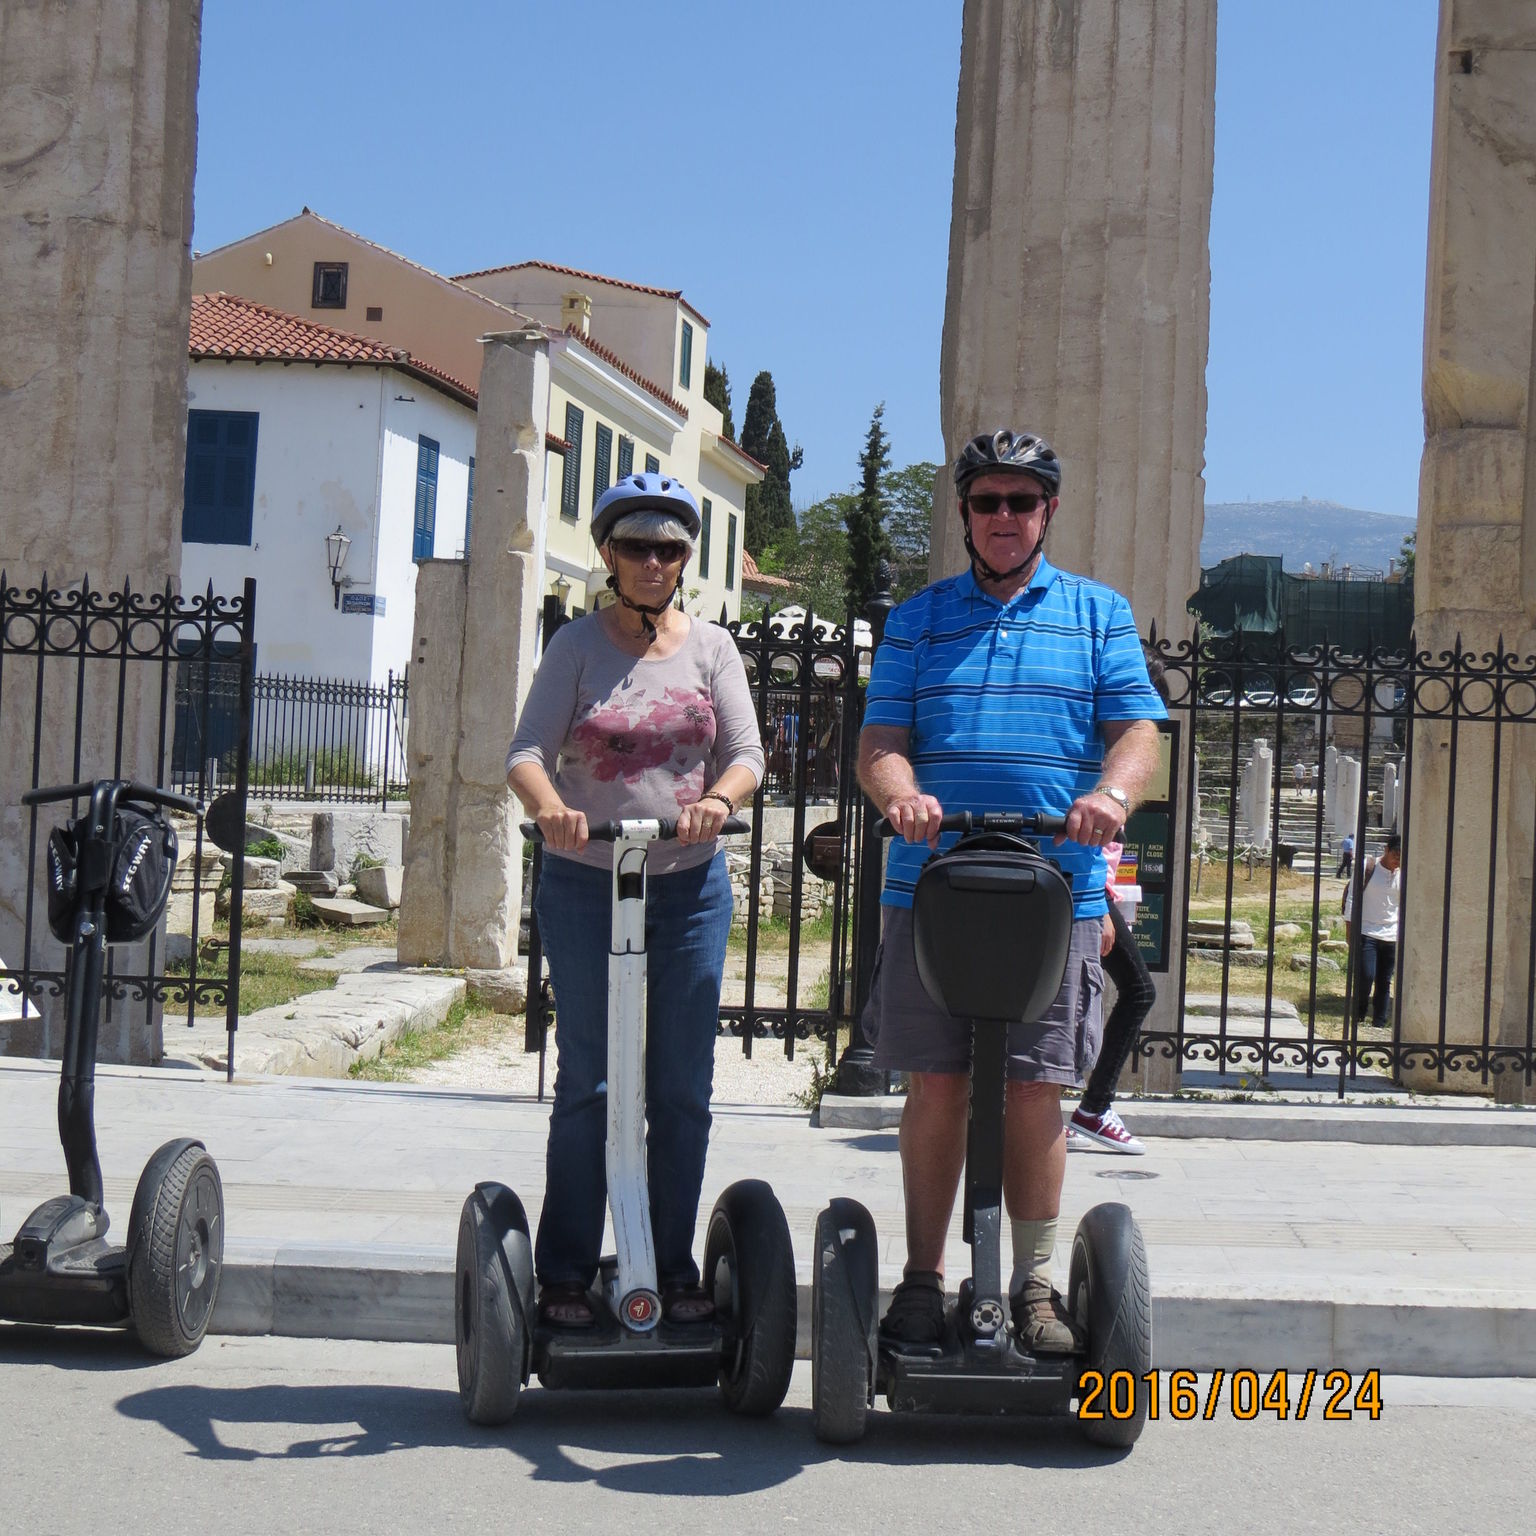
868,542
717,390
770,511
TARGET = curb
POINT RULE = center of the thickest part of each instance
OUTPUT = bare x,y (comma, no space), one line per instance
1383,1125
406,1296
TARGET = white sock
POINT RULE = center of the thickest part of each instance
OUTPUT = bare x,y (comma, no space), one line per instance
1033,1242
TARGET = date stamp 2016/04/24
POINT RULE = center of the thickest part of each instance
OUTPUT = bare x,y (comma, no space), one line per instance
1284,1395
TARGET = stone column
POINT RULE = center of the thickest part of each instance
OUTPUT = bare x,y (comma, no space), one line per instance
473,657
1346,814
1079,280
98,119
1261,785
1476,570
1389,796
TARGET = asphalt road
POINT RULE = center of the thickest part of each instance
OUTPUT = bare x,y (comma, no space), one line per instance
265,1435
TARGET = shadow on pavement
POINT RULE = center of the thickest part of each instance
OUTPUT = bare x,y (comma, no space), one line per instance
677,1443
75,1349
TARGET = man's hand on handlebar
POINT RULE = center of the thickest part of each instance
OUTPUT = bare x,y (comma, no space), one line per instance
1093,821
563,829
916,818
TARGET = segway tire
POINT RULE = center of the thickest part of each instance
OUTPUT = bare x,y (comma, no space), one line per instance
749,1270
175,1249
493,1285
1110,1297
844,1298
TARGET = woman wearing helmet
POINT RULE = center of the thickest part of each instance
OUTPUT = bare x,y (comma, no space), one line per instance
636,711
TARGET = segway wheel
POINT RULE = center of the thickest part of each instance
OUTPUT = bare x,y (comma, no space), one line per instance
176,1249
492,1300
1110,1297
749,1268
844,1298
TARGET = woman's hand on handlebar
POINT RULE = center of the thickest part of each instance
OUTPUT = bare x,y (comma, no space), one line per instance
916,818
701,821
562,828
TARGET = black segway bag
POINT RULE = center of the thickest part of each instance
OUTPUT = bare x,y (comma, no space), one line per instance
143,860
992,928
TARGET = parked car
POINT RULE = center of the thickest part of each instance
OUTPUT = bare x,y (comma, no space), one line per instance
1301,696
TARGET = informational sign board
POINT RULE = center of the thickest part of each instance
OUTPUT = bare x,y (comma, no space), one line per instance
1148,857
363,602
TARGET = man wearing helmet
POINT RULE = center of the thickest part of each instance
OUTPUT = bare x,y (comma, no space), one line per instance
1011,687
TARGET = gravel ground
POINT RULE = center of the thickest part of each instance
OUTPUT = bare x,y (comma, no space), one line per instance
500,1065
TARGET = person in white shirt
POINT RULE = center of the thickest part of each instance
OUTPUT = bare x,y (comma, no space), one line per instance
1379,891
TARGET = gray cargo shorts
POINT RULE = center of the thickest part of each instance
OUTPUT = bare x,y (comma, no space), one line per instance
911,1033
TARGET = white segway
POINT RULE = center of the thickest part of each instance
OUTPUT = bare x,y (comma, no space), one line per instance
749,1268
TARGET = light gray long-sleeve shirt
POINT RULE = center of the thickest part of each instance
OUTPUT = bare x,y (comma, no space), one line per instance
627,736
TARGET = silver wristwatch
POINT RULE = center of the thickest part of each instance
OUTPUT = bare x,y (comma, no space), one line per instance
1116,794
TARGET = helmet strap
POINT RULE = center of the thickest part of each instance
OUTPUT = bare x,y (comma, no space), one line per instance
979,567
648,612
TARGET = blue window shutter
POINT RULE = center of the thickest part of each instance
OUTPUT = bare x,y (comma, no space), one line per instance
219,493
426,499
469,503
602,459
570,482
685,363
704,517
730,553
652,464
626,456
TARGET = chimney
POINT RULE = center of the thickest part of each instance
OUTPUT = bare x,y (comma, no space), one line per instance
576,313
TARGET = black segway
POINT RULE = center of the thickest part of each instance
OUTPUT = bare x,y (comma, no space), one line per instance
109,878
992,885
749,1269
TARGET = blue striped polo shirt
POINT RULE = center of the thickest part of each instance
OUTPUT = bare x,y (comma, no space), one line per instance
1003,701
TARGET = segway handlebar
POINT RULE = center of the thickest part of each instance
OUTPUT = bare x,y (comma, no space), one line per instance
130,791
612,831
964,822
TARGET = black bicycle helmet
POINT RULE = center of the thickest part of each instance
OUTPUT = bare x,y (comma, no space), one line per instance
1005,452
648,492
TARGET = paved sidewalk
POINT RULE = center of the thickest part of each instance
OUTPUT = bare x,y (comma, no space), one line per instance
343,1200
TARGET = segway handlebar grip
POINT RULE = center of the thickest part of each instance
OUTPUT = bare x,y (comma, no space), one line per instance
131,790
1040,824
611,831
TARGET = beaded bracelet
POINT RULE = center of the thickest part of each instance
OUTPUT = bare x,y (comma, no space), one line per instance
725,800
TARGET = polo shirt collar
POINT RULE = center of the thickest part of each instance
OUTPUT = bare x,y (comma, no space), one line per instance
1045,574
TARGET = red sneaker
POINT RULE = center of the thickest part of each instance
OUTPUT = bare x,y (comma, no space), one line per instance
1107,1131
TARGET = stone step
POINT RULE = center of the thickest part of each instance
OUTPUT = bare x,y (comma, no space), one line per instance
345,913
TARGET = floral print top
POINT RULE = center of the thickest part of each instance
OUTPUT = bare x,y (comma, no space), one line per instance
625,736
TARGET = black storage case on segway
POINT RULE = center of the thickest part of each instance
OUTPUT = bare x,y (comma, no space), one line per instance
109,878
992,928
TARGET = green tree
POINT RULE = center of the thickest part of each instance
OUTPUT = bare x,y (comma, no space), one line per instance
769,507
909,503
1405,556
717,390
811,556
868,542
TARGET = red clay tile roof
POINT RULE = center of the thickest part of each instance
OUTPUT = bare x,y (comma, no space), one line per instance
556,444
612,358
235,329
749,570
591,277
742,453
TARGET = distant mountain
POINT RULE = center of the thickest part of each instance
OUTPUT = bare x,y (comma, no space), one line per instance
1319,532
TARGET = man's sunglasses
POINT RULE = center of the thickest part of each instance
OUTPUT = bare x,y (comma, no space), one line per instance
669,552
991,504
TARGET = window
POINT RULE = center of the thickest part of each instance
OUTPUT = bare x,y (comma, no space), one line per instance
220,488
469,503
685,364
730,554
570,483
704,538
602,459
652,464
375,311
426,499
330,285
626,456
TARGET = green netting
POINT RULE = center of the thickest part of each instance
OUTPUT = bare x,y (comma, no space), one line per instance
1251,594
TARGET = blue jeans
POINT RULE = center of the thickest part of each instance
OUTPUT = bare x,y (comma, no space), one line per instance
687,921
1378,959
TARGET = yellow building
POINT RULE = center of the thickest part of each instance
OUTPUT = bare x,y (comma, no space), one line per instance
626,374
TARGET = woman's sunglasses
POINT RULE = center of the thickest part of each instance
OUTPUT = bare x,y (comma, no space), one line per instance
668,552
990,504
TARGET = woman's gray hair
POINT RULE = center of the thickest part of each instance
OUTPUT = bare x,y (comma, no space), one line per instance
659,527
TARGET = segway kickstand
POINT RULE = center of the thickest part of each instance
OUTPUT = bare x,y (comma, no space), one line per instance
634,1300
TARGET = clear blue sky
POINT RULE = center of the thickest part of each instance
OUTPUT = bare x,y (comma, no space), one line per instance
789,167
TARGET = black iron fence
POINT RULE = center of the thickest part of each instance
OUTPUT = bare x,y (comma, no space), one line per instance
98,683
312,738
